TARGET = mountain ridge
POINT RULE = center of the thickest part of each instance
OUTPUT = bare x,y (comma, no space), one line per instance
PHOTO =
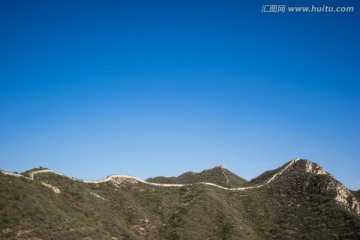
342,197
298,200
30,174
218,175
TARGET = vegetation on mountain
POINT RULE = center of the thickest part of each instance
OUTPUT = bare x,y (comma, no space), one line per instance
356,194
265,176
296,205
218,175
27,173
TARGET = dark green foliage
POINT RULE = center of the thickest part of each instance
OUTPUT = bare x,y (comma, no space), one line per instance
27,173
265,176
215,175
297,205
356,194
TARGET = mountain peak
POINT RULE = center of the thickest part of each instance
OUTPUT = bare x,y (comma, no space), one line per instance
315,178
218,175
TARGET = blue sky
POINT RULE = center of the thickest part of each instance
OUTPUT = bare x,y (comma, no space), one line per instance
148,88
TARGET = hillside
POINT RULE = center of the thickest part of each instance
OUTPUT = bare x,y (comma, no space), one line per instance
356,194
297,201
217,175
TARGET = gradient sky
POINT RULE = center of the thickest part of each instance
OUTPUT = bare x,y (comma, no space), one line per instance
148,88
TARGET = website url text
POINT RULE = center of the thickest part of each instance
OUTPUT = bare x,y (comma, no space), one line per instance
309,9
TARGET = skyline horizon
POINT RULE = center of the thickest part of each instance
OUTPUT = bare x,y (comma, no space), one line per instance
169,176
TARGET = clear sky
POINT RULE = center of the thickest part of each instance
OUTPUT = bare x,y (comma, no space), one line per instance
148,88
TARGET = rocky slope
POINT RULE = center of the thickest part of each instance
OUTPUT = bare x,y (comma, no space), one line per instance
297,201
